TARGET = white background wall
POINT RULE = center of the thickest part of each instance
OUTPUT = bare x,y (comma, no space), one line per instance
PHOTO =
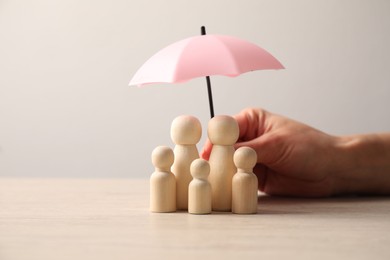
66,109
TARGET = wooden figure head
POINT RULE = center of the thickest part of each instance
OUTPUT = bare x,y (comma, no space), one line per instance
186,130
162,158
223,130
200,169
245,158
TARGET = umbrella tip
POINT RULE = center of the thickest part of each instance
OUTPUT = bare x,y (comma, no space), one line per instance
203,30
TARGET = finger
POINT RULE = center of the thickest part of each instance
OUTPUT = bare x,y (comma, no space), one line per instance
251,123
242,124
205,153
260,171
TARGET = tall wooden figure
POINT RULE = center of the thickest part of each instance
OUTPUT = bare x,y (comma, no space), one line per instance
185,133
223,132
162,181
199,191
244,185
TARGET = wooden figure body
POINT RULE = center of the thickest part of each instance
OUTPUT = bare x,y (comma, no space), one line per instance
162,181
244,184
223,133
185,133
199,191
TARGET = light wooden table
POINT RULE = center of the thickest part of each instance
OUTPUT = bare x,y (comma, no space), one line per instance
109,219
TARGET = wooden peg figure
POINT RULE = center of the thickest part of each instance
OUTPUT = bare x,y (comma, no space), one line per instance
162,181
223,133
244,185
199,191
185,133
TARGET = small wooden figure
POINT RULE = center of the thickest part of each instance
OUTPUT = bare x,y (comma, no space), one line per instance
162,181
199,191
185,133
223,132
244,185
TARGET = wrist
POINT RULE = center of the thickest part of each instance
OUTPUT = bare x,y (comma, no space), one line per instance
363,164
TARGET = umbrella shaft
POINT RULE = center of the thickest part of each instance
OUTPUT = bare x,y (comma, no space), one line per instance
210,96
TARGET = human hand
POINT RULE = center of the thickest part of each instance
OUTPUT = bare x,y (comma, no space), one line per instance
293,158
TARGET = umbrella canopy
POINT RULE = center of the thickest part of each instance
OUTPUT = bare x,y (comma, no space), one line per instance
204,56
201,56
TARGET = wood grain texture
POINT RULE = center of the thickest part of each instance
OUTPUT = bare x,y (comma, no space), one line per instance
245,183
199,190
184,156
244,193
186,131
162,181
110,219
223,132
222,170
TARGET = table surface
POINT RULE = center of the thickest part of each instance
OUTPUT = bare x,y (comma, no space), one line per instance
109,219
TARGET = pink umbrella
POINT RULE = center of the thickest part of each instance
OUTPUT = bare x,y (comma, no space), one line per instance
204,56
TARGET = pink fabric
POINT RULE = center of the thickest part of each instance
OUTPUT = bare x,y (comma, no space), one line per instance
202,56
